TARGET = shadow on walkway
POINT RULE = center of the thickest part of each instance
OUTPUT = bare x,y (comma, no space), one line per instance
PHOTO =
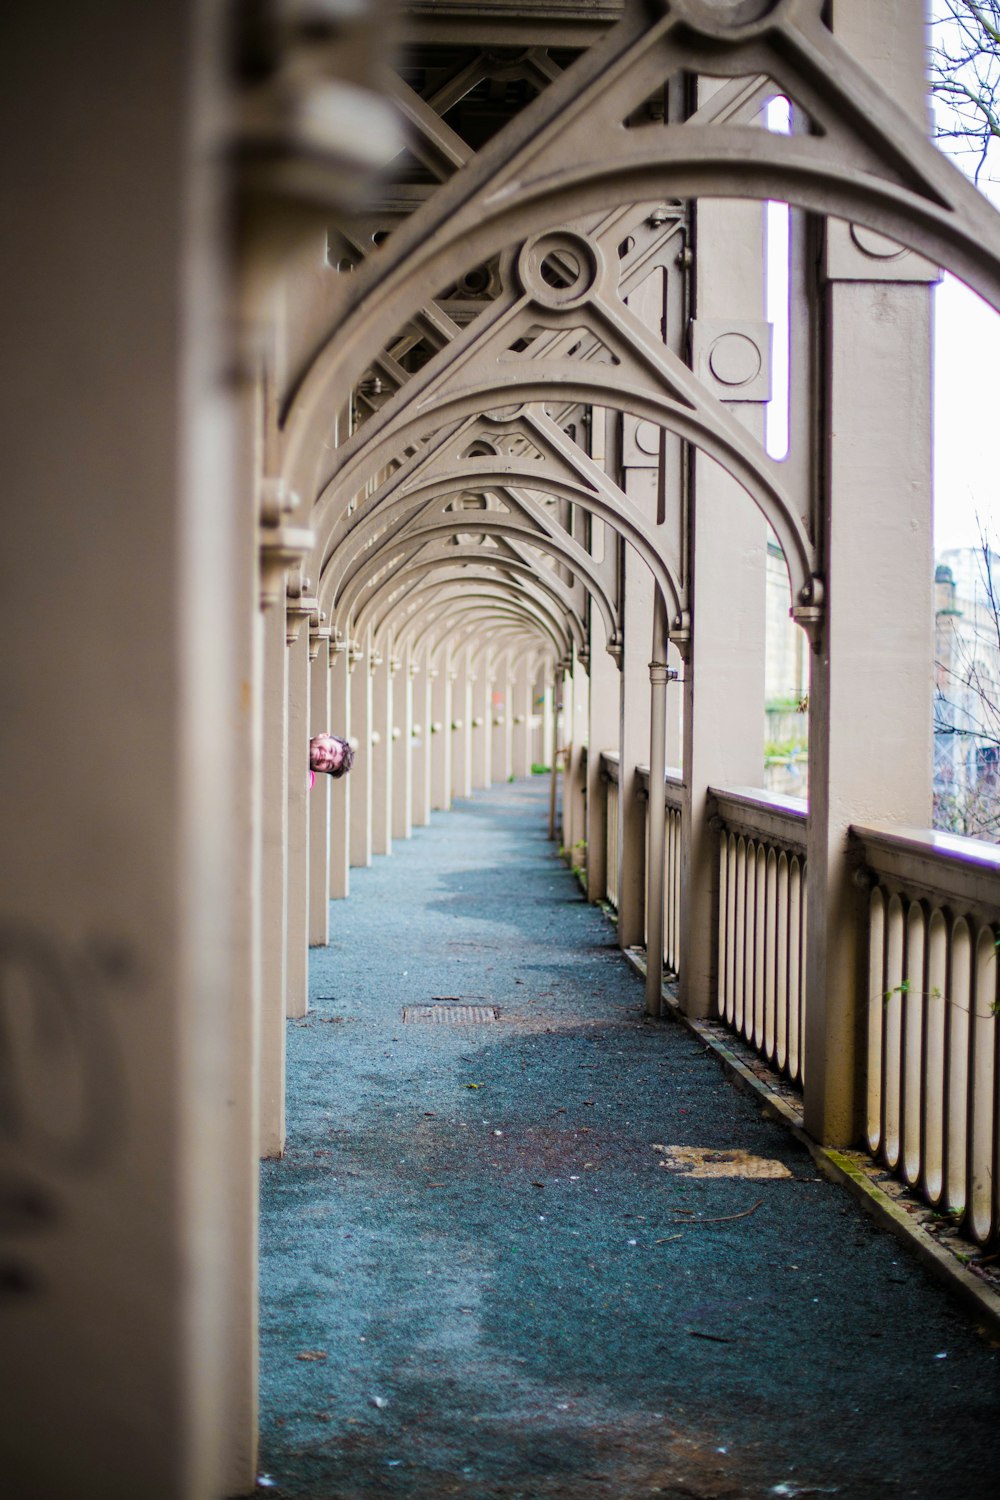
480,1276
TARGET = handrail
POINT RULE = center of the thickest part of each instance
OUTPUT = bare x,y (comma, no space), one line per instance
610,765
754,812
965,870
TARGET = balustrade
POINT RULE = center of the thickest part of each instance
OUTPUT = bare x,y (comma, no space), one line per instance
761,923
933,1114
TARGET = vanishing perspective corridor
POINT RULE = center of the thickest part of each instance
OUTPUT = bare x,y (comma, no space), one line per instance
485,1274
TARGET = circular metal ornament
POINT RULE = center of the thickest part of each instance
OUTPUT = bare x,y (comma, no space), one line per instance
559,269
729,20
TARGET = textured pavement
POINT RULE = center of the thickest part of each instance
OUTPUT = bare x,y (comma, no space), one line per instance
480,1279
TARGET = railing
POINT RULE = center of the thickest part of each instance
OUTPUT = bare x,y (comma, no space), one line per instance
762,923
609,769
933,1078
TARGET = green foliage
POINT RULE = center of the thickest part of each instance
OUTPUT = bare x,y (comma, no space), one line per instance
537,770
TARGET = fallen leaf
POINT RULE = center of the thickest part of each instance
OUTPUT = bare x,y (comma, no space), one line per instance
701,1161
435,1184
538,1184
312,1354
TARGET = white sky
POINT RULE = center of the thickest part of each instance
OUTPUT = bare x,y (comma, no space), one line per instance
966,412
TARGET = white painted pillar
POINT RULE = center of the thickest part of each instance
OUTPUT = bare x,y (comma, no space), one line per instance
297,975
319,798
402,746
340,794
381,752
440,742
117,903
361,772
602,712
274,892
640,485
461,730
879,562
724,676
500,720
421,738
482,733
575,736
523,694
239,1424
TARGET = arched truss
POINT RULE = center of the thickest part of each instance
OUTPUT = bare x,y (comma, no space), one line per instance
482,371
490,606
553,465
524,523
569,154
408,554
382,607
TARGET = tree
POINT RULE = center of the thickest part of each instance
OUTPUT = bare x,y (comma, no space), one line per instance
967,702
964,72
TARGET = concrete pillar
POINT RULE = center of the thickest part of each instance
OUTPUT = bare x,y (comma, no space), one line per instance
402,746
502,721
482,731
421,738
724,676
877,544
461,727
117,902
633,720
341,793
602,712
675,711
274,887
381,751
297,972
522,691
440,741
239,1423
575,736
319,799
543,738
361,771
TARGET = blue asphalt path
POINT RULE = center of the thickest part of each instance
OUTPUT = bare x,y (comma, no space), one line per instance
480,1280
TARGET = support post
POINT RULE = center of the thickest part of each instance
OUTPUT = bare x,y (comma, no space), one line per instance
340,795
319,800
659,674
361,771
383,707
274,900
879,563
297,976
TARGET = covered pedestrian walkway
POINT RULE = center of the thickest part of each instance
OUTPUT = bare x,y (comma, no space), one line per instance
496,1258
412,370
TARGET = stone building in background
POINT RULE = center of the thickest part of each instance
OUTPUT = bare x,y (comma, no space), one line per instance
967,692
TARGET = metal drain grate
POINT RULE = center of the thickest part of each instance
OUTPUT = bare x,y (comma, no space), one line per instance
451,1015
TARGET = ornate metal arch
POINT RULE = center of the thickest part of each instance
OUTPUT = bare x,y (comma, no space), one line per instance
569,153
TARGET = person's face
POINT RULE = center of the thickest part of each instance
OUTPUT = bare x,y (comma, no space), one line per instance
325,754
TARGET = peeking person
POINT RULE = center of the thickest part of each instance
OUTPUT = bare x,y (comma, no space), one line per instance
329,753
